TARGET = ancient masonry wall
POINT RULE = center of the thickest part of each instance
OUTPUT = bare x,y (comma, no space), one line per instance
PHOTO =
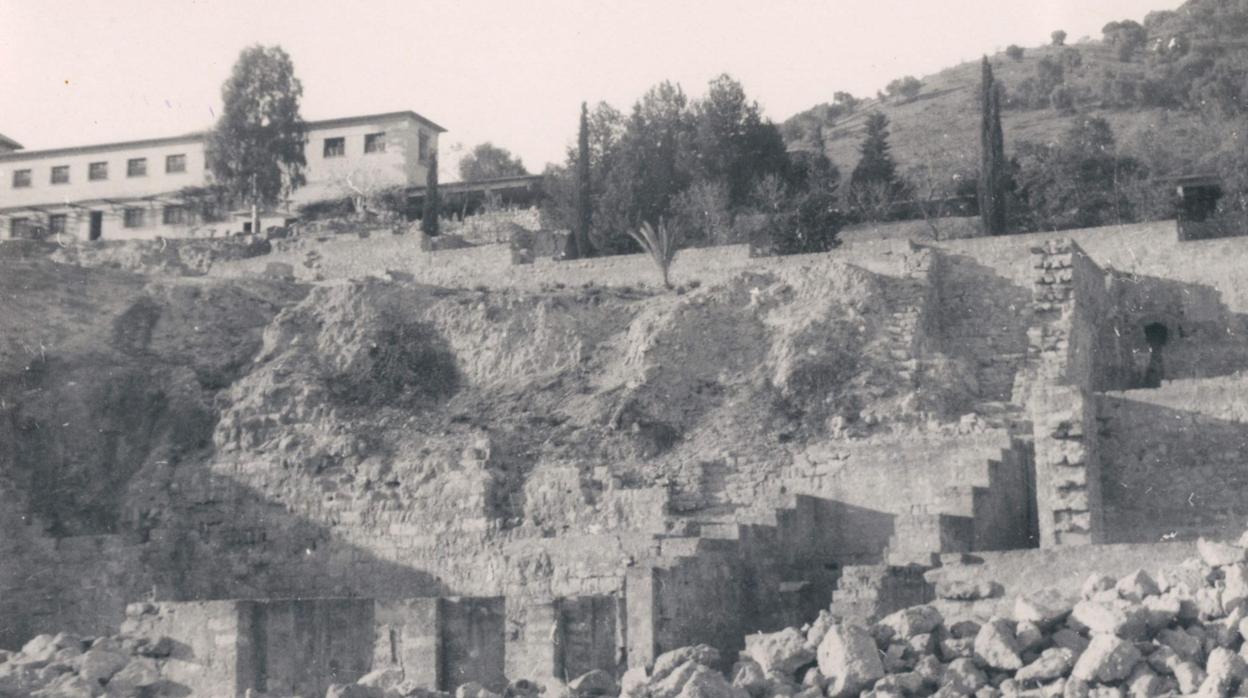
300,647
1070,307
1175,459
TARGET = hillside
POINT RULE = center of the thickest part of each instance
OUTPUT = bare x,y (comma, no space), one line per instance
1158,102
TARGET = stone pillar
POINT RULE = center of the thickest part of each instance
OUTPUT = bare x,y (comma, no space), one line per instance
1062,356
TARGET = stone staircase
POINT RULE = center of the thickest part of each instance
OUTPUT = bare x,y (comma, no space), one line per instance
989,510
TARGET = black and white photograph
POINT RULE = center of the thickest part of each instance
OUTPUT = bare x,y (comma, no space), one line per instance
623,348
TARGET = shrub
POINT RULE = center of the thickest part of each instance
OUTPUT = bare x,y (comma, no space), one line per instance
661,244
1015,52
1058,37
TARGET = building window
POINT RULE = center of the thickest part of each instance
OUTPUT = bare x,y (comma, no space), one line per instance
19,227
60,174
21,178
174,215
57,223
136,167
423,146
375,142
134,218
97,171
175,163
335,147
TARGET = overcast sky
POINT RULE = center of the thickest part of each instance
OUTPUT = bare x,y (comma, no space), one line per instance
509,71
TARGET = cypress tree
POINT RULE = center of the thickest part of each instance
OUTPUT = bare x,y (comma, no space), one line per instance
429,218
992,172
584,201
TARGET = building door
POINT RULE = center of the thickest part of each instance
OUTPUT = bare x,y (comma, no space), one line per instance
97,225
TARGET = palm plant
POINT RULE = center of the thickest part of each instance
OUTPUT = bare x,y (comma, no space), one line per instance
660,243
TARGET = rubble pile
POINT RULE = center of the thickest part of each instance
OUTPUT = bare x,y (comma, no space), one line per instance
1180,632
69,666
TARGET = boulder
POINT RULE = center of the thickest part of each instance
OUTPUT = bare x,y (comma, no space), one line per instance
814,634
1121,618
1045,608
907,683
472,689
952,648
1030,637
964,677
996,645
930,670
98,665
519,688
666,662
1144,682
1216,554
1223,672
849,657
670,685
65,686
963,628
748,675
594,683
40,648
1107,658
1053,663
1161,611
385,679
1189,675
1137,586
1184,645
916,620
634,683
1095,584
1071,640
967,591
1235,591
706,683
782,652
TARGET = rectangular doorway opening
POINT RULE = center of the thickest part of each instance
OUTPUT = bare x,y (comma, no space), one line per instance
97,225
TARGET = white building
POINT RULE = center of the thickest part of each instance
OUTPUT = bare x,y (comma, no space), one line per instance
133,189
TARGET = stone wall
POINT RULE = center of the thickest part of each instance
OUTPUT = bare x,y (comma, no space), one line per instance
1063,410
300,647
1175,459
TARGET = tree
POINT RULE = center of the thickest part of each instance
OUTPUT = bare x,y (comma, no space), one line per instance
1015,52
907,87
255,150
1058,37
992,172
846,101
650,165
874,184
578,241
429,217
488,161
732,142
1079,182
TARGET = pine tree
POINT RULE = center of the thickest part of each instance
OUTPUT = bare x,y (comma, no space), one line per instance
579,240
429,218
992,171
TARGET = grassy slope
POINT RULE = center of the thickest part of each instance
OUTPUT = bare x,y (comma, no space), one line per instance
939,129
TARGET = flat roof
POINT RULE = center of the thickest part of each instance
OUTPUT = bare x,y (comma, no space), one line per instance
199,135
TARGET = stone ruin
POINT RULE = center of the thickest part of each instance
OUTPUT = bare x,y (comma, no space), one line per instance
950,426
